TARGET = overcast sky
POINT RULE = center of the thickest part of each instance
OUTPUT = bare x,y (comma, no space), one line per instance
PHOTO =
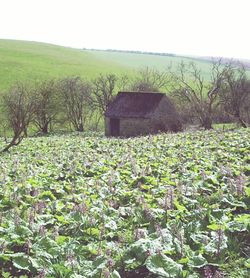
194,27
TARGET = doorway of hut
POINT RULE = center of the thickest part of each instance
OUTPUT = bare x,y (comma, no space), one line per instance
114,127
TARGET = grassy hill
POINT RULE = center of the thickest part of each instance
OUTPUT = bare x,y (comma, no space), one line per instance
23,60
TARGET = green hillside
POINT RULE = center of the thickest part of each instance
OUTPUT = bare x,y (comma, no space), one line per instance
135,61
22,60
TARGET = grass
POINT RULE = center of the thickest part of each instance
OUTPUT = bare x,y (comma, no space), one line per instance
136,61
29,61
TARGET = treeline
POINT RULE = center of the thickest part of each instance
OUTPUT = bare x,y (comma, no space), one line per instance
79,104
133,52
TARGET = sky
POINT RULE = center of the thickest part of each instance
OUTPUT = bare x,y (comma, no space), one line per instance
187,27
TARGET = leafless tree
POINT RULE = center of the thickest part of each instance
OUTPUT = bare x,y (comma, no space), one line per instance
103,91
150,80
75,94
202,96
235,92
47,104
246,109
124,83
19,107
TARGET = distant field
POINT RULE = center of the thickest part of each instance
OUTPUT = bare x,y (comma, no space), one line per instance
22,60
135,61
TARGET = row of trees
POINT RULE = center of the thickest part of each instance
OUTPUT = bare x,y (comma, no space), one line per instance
67,102
225,95
73,101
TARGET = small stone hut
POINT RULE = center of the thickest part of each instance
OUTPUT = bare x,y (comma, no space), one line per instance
140,113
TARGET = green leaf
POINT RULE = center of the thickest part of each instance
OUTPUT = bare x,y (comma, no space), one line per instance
6,275
183,260
213,180
163,266
115,274
244,218
47,195
215,227
215,243
247,263
61,270
61,219
97,266
21,262
197,261
35,263
111,225
179,207
140,248
247,190
61,239
200,238
247,170
24,231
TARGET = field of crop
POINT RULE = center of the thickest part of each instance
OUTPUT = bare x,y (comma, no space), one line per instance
29,61
173,205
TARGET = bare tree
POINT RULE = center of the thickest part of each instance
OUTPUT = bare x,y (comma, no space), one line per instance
103,91
19,107
235,92
123,83
47,103
202,96
76,94
246,109
150,80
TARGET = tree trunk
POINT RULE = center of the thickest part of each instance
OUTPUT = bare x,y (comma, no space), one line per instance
242,123
240,120
97,122
207,123
45,128
80,128
14,142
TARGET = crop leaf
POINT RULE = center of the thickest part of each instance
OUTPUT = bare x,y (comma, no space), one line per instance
162,265
179,207
21,262
197,261
115,274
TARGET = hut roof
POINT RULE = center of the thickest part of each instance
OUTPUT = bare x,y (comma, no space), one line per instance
133,105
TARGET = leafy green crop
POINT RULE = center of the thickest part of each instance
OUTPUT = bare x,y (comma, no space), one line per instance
174,205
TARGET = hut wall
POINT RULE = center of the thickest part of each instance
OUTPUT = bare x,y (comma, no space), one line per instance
135,127
163,110
165,117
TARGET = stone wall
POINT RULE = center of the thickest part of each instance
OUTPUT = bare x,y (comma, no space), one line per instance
135,127
165,117
131,127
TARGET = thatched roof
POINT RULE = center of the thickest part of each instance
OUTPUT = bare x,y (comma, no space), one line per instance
134,105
